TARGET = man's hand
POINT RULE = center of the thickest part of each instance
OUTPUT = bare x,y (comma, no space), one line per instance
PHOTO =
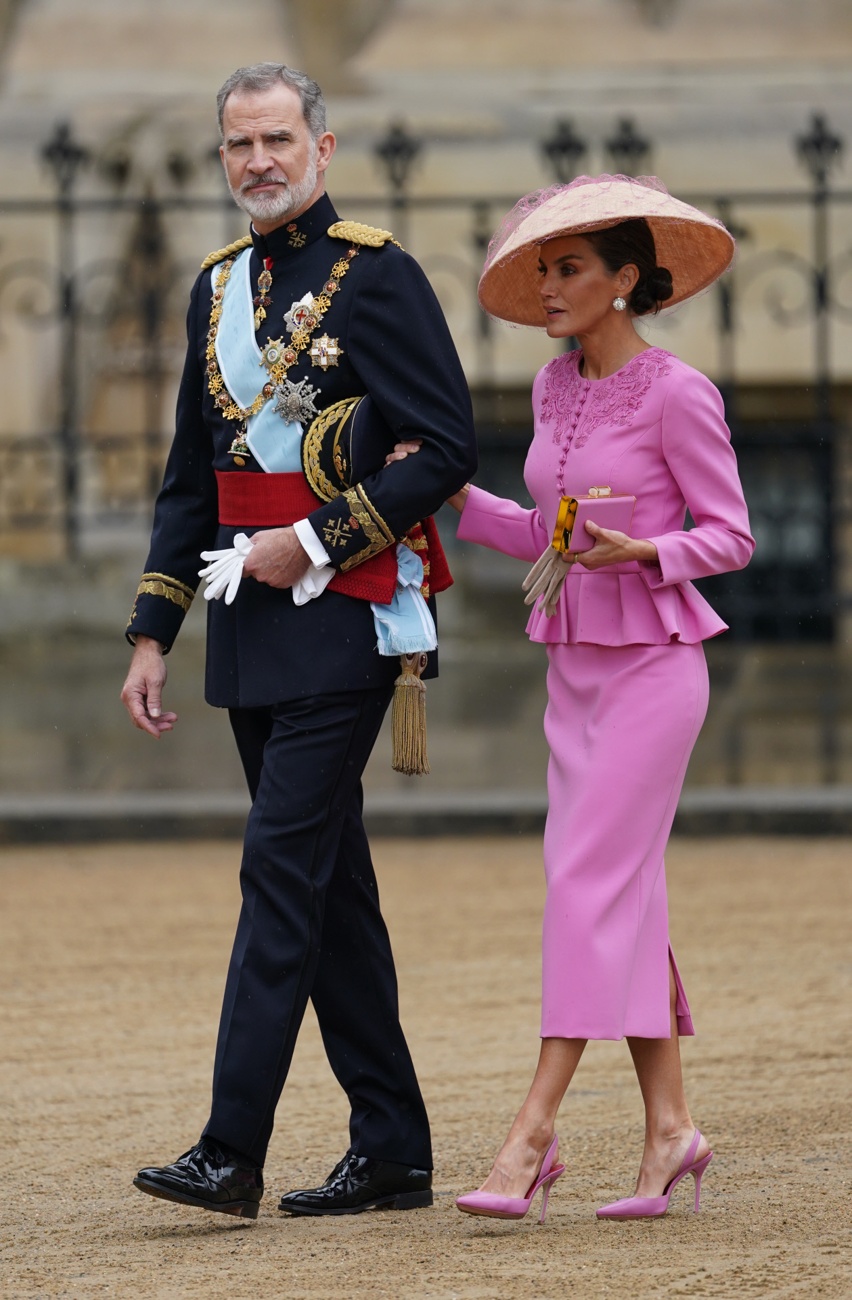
277,558
142,693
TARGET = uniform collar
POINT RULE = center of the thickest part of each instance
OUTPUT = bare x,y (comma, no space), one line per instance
294,235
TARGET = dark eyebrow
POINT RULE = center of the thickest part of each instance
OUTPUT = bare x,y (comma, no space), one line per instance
240,137
567,257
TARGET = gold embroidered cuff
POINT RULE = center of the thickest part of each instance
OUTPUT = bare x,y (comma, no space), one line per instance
376,530
160,584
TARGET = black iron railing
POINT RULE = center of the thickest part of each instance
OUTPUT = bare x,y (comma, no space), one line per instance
107,331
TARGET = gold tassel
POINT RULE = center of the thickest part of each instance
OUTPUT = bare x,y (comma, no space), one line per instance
408,718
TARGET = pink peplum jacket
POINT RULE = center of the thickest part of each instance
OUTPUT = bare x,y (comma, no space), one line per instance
654,430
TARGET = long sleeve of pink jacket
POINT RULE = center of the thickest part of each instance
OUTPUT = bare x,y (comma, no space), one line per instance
674,454
697,448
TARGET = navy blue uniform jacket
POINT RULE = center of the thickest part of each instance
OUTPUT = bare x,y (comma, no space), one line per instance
397,348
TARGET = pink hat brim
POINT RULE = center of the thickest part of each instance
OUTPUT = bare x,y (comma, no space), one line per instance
693,246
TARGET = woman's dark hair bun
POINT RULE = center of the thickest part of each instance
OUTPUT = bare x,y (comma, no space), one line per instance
633,241
652,289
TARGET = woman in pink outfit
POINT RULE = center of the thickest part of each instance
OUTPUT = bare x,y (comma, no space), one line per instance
627,679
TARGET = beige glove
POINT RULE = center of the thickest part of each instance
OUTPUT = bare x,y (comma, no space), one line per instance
545,579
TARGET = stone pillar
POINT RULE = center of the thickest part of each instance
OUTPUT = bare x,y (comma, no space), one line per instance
329,33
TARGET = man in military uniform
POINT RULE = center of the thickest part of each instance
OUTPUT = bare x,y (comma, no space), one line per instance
287,329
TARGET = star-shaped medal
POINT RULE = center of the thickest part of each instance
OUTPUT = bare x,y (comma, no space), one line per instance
325,352
295,402
299,312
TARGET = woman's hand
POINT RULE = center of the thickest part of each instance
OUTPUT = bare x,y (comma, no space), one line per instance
613,547
458,499
403,449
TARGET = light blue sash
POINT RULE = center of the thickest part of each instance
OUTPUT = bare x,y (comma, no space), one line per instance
275,444
405,626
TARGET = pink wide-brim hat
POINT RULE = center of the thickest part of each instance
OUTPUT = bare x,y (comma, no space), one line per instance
695,247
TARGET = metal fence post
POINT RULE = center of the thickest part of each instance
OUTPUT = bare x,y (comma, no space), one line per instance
65,157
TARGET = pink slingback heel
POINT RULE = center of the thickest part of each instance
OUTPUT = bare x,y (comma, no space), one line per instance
515,1207
653,1207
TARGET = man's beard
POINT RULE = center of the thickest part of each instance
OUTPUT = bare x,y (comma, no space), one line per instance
279,204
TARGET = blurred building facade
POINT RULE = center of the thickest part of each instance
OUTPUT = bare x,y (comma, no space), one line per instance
444,114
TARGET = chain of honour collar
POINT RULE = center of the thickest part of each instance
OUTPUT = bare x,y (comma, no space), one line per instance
277,357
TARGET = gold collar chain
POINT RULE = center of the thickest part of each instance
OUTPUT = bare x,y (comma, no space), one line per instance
277,356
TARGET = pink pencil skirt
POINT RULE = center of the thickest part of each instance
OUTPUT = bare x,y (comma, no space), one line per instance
621,722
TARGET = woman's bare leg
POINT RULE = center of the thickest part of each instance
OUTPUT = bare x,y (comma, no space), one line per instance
519,1159
668,1123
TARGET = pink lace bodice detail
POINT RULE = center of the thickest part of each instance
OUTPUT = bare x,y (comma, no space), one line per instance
577,406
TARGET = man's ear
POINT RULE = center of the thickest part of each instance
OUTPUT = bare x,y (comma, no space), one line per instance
326,145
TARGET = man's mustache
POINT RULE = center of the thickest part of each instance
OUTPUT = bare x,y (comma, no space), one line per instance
270,179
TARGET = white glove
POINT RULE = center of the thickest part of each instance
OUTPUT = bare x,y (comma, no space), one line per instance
312,584
545,579
226,570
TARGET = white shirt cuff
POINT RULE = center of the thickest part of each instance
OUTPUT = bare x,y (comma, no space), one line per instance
317,553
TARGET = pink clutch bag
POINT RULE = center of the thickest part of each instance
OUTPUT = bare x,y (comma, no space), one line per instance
599,506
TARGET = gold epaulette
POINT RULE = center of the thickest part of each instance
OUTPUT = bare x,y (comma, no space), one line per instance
221,253
354,232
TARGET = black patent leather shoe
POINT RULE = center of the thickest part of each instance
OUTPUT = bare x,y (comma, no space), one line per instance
360,1183
209,1177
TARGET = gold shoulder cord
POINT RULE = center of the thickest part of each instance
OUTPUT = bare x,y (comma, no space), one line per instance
355,232
221,253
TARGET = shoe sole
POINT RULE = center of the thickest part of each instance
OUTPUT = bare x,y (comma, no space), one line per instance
490,1214
237,1209
399,1201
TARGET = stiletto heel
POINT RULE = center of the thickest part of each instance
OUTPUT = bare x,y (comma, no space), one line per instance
544,1196
697,1171
654,1207
515,1207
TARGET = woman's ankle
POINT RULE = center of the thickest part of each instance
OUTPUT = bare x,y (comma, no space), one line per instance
534,1131
669,1130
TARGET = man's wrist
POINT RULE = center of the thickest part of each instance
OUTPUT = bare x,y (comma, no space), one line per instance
143,642
311,544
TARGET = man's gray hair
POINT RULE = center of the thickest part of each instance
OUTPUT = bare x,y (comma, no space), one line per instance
263,76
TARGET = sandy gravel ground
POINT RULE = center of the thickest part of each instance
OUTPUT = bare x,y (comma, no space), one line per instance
113,959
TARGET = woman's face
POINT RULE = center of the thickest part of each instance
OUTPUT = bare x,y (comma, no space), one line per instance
577,288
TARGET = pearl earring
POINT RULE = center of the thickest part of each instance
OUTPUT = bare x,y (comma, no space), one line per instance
619,303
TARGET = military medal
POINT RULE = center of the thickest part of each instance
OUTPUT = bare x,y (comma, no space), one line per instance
239,448
300,316
262,300
277,357
295,402
325,352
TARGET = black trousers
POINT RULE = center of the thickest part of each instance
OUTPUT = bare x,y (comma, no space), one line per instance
310,927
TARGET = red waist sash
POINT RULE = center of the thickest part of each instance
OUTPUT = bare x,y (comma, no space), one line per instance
278,500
